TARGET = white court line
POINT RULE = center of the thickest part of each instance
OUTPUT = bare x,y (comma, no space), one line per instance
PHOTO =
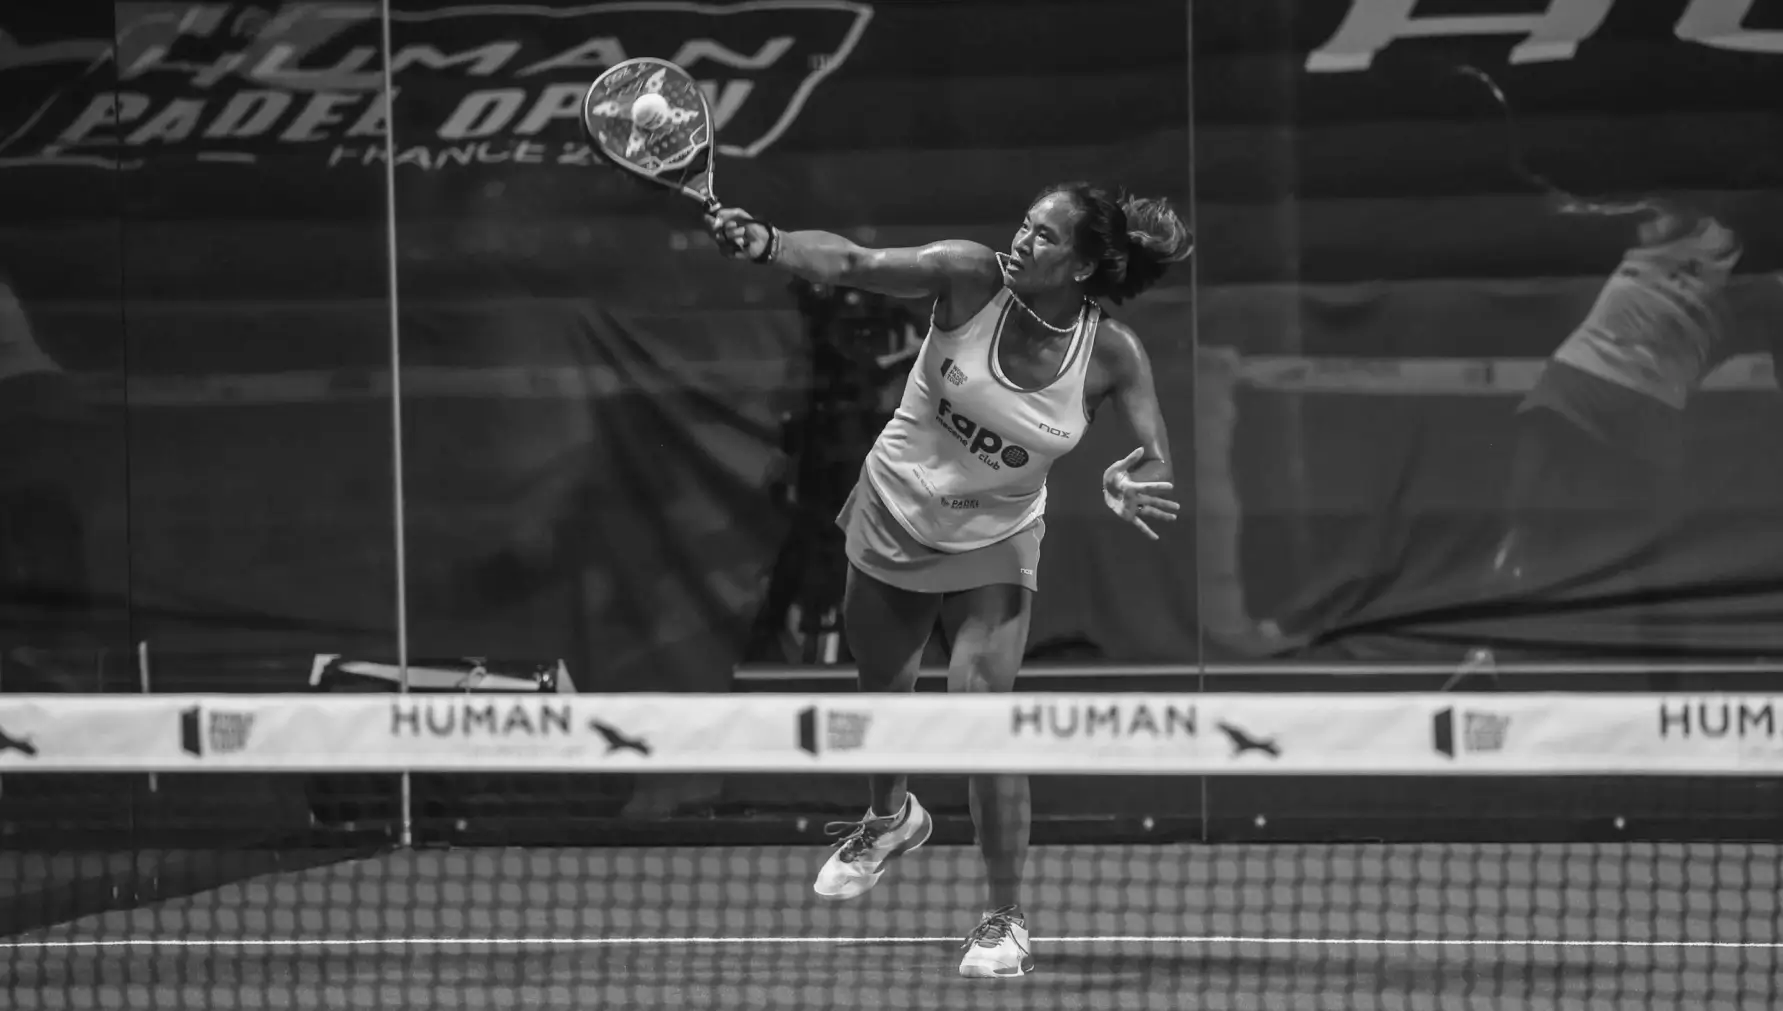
595,942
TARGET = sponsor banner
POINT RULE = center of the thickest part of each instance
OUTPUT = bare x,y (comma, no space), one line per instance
1058,734
486,84
499,84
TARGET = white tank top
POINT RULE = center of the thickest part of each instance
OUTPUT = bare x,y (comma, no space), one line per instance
964,459
1660,323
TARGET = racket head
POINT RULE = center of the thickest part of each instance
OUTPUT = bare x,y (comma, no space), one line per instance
1560,199
677,154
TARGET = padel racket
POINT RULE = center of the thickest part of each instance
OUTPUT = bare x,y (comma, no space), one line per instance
649,117
1565,200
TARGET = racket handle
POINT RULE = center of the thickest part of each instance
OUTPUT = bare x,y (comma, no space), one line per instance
740,249
734,249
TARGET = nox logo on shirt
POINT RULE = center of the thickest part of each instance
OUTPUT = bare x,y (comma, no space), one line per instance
992,449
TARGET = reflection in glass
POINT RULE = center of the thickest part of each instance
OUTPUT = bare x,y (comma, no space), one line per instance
1500,323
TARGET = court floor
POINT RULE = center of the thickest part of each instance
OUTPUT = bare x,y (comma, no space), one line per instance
1166,927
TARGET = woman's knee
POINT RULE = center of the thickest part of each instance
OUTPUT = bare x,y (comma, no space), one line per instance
983,671
990,636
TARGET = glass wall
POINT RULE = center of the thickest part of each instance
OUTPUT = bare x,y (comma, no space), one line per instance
237,272
333,359
197,487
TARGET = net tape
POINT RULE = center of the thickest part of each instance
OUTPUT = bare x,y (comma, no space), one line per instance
1039,733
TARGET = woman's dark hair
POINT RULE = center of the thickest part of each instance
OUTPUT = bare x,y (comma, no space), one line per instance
1131,240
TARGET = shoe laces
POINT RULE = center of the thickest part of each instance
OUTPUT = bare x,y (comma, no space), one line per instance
857,836
991,931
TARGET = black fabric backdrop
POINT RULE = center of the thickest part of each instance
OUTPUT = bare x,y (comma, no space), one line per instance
235,223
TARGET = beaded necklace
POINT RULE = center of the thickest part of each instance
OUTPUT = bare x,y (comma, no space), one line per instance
1003,260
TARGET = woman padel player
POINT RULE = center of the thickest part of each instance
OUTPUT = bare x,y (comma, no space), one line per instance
1603,430
947,519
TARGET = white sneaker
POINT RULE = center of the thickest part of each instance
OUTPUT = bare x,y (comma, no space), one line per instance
867,846
998,948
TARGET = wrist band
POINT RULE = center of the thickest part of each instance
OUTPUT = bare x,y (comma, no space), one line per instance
771,251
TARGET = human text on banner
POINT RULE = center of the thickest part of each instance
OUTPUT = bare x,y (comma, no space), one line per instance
1047,734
